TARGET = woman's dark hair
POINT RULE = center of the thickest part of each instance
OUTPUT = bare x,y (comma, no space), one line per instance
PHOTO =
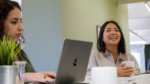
100,43
5,7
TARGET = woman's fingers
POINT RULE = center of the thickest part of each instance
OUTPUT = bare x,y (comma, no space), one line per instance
127,67
128,70
48,79
45,78
124,71
50,74
128,74
122,65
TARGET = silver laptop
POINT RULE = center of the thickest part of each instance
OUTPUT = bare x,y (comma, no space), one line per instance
73,62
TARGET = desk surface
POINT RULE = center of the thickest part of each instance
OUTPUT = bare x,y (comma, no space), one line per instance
139,79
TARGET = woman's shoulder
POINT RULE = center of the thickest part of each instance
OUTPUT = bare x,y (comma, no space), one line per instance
129,56
23,53
95,52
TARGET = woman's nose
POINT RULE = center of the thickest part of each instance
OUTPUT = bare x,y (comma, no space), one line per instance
21,28
112,32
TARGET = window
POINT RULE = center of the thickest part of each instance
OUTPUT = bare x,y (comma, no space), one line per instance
138,52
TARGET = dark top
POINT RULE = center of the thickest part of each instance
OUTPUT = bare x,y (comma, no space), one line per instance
23,57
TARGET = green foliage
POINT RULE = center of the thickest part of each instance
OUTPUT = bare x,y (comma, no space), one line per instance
8,50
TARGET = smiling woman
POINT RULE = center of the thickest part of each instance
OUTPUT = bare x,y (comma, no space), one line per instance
111,51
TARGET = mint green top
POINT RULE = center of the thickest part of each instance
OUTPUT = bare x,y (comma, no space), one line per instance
23,57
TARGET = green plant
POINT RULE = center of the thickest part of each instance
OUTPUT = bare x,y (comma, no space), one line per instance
8,50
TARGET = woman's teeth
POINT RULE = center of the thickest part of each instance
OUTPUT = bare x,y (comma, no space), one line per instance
113,38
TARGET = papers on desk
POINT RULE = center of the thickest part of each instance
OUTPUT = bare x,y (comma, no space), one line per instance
139,79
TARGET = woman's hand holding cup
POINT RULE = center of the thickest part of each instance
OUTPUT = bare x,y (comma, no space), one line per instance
124,71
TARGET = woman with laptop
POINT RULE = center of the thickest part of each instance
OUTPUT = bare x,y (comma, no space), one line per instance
111,51
11,23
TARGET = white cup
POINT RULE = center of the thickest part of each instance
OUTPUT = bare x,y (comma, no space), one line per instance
130,63
104,75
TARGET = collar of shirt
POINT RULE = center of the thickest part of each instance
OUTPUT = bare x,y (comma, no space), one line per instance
123,57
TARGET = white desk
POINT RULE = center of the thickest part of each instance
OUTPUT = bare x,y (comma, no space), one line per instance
140,79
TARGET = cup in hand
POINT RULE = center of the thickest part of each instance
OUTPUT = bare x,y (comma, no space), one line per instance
129,63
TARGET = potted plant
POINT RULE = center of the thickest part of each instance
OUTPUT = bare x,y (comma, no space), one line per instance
8,50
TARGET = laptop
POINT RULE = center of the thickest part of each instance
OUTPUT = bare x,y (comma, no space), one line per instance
73,61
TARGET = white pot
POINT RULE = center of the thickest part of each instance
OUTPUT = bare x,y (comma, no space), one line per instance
8,74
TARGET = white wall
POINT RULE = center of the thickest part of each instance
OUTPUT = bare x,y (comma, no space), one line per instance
19,1
42,31
80,17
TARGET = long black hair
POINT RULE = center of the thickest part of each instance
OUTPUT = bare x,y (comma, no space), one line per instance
100,43
5,7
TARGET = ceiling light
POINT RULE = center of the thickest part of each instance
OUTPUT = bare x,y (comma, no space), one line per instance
138,42
147,6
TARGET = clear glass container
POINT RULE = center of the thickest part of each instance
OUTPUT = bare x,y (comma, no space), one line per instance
20,71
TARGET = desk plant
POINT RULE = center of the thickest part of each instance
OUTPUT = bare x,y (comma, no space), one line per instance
8,50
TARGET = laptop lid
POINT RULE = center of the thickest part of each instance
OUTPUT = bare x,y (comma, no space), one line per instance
73,61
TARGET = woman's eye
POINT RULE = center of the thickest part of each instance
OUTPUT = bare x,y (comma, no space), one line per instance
117,30
14,22
107,30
